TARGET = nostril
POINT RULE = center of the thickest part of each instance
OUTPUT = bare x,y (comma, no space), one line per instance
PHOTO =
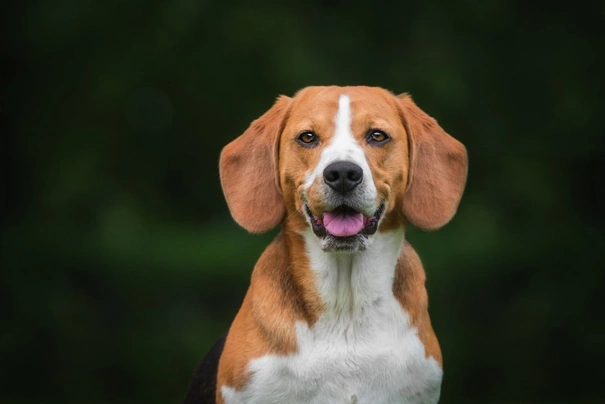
331,175
355,175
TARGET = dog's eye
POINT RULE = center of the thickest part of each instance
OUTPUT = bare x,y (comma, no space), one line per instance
307,138
377,137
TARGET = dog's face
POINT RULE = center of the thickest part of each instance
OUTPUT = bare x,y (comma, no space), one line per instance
345,162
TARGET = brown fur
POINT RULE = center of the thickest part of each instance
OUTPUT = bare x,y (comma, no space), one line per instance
408,288
248,169
420,174
265,322
438,170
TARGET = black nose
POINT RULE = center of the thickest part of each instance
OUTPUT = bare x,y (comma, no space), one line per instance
343,176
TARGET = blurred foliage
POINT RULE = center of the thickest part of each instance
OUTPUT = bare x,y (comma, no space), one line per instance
121,265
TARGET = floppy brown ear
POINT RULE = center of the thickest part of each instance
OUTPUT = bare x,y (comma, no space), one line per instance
438,168
248,170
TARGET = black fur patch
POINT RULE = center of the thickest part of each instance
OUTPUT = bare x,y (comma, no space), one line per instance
202,389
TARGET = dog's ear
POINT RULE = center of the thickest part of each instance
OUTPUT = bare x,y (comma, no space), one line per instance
249,176
437,172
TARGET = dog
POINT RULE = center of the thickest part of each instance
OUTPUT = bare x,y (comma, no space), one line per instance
337,310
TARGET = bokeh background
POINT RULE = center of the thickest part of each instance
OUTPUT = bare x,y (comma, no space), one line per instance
120,264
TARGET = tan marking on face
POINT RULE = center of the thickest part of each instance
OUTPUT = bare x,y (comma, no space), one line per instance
317,109
313,109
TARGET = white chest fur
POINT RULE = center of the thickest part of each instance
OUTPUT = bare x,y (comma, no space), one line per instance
362,349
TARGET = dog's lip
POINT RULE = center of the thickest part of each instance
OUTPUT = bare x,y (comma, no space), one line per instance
370,223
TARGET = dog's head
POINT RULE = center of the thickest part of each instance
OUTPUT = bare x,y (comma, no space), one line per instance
345,162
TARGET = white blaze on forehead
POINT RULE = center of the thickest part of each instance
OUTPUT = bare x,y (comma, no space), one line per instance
343,147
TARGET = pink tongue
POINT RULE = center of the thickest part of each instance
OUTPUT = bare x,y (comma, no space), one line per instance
340,225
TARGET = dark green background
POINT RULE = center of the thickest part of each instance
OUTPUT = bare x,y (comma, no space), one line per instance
120,263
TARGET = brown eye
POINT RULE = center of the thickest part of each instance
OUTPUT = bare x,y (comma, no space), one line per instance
377,137
307,138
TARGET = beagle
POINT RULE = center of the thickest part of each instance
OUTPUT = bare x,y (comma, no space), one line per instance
337,310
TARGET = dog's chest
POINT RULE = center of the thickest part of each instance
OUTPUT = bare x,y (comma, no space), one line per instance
373,356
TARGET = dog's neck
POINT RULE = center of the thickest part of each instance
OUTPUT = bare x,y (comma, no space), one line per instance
344,283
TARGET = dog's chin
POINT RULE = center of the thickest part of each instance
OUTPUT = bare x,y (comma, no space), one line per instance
349,243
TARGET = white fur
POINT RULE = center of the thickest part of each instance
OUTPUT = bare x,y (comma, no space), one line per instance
344,147
362,349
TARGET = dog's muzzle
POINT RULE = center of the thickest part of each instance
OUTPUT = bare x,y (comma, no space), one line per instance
346,224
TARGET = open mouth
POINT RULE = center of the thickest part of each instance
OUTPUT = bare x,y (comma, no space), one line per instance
344,221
